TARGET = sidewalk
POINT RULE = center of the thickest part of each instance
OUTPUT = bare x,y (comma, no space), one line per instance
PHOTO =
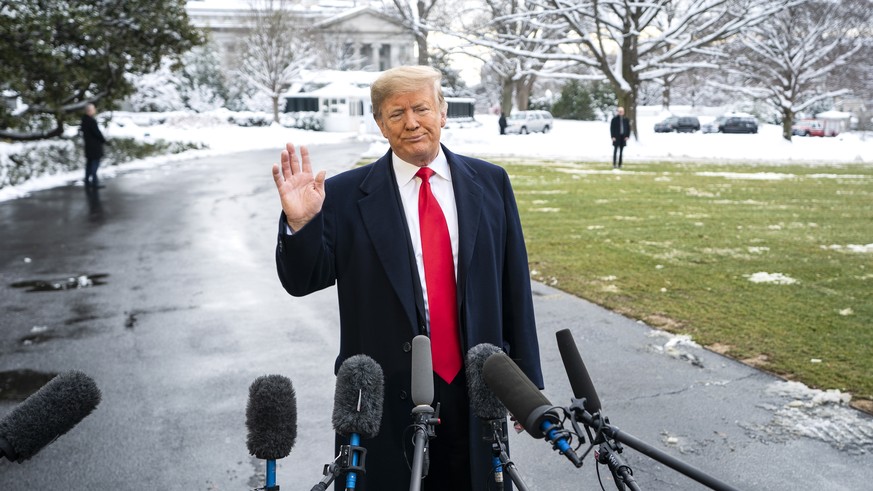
742,426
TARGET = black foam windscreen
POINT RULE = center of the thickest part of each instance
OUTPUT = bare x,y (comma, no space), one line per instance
271,417
485,404
580,381
359,397
47,414
422,371
520,396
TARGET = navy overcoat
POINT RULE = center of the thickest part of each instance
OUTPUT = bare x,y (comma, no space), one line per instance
360,242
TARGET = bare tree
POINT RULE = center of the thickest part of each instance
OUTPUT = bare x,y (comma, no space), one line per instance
275,50
511,22
628,42
786,61
414,14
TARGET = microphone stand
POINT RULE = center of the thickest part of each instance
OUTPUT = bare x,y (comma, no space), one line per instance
609,436
270,472
499,453
425,419
342,464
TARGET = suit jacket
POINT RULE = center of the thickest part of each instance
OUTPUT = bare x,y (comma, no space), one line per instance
619,128
360,241
93,138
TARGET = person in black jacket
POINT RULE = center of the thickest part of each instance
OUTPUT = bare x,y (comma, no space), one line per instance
94,142
619,129
361,230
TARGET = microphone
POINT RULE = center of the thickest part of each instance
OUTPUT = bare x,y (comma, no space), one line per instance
422,371
525,401
580,381
589,413
47,414
423,415
485,404
271,420
357,407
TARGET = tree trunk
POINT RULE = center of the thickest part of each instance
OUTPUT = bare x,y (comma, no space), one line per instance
423,57
522,94
631,113
506,96
275,108
787,121
665,94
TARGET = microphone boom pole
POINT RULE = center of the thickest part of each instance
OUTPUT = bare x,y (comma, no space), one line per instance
586,401
604,430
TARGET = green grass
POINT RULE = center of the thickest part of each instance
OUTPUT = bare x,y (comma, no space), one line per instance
666,244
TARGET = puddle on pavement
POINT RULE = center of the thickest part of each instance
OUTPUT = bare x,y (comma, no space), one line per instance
18,385
42,334
70,283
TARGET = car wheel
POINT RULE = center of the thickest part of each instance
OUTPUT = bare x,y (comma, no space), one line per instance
546,129
523,130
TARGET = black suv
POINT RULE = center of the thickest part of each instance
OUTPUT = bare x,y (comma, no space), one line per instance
739,124
680,124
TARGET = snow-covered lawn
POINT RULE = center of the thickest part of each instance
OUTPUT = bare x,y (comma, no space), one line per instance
569,140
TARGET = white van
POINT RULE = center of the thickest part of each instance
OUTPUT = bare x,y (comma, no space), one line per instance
524,122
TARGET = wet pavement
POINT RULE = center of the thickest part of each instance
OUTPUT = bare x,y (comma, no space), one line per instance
162,287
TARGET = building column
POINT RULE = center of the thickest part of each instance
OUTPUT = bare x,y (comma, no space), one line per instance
356,56
376,47
395,55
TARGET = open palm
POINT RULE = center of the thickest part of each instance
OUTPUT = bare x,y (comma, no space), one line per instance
301,192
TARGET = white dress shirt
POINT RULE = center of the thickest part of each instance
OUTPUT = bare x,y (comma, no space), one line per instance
441,186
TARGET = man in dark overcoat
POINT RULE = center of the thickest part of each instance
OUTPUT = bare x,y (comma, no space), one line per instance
360,230
619,129
94,141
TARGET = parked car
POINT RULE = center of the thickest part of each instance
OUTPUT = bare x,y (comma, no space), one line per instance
713,126
667,125
808,127
524,122
739,124
679,124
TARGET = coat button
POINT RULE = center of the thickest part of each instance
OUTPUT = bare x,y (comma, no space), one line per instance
407,347
403,395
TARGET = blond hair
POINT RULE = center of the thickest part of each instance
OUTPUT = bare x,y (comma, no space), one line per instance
403,79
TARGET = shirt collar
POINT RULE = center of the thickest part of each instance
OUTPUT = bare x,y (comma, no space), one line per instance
405,171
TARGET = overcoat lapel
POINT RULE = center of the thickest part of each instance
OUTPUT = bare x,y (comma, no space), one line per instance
384,220
468,199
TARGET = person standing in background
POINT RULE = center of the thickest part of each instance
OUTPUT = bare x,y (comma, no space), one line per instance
502,123
619,129
94,142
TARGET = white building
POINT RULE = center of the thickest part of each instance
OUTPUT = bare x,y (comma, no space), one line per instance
368,38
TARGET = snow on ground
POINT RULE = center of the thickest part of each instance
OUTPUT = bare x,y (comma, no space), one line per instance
773,278
810,413
569,140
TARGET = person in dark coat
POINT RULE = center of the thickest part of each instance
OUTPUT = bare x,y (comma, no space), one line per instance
619,129
94,142
502,122
360,231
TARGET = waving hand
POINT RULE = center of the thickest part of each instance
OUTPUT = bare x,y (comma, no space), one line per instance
301,192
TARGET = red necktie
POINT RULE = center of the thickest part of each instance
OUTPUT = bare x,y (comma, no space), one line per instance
439,277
